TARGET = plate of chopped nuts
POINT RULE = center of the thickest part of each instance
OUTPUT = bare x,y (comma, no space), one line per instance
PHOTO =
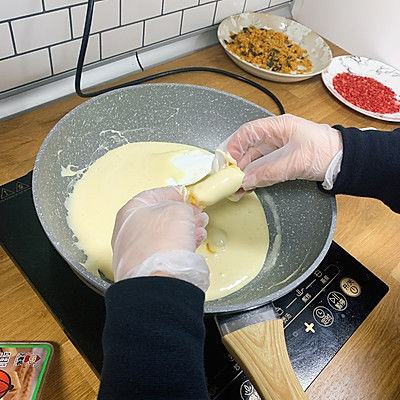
273,47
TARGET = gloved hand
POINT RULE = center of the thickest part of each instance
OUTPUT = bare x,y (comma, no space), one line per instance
286,147
156,233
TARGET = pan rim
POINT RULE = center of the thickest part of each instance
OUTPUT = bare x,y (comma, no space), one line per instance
98,284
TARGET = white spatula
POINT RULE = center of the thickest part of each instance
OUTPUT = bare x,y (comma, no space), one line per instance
195,163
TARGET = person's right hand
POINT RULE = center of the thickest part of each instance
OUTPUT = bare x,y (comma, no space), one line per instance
286,147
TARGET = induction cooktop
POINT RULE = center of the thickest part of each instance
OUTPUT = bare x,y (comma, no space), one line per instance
319,316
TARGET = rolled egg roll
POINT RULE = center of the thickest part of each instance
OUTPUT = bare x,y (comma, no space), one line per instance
216,187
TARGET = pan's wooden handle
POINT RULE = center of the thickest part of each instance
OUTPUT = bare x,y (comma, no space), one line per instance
260,350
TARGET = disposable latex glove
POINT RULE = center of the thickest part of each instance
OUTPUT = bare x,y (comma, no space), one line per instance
286,147
156,233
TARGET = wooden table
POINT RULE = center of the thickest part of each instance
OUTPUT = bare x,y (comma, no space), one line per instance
368,365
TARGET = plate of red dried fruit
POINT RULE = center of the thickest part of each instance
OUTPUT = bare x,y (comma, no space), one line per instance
366,85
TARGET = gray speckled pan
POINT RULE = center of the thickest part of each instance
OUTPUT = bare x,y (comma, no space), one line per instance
301,218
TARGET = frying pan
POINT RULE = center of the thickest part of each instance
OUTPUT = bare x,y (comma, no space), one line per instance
301,218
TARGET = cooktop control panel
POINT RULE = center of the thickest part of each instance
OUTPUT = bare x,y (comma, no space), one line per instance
319,317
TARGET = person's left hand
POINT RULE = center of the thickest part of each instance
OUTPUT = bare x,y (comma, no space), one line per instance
156,233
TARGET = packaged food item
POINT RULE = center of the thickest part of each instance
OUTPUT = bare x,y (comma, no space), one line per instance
23,369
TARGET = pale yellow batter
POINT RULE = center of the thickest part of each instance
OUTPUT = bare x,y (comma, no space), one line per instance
237,241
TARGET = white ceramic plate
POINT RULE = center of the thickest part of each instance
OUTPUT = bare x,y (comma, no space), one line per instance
364,66
318,51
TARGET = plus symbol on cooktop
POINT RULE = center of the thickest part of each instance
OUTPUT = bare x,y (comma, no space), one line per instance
309,327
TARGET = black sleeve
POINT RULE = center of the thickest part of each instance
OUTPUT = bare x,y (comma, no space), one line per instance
153,341
370,165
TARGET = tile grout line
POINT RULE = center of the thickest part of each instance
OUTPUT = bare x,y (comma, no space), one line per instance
43,6
70,22
245,4
100,45
12,40
120,12
99,41
181,24
143,31
162,7
215,13
51,61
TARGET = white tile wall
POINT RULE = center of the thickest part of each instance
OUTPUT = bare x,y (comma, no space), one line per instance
177,48
17,8
6,48
161,28
198,17
121,40
40,38
41,30
64,56
105,16
23,69
173,5
255,5
225,8
52,4
137,10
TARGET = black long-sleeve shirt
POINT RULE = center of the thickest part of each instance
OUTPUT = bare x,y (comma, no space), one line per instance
154,333
153,341
370,165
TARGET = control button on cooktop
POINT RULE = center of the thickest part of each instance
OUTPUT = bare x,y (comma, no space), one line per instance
323,316
350,287
337,301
